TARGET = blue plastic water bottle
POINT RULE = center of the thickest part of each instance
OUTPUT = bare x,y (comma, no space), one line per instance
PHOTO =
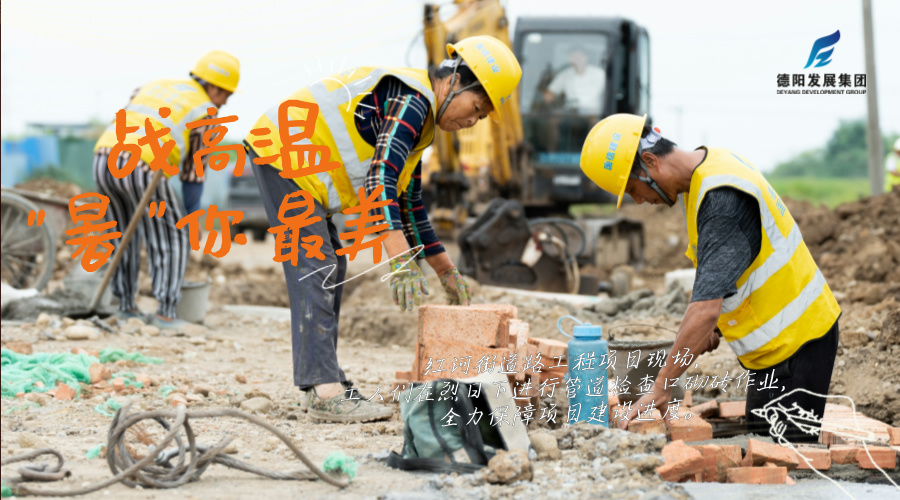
588,354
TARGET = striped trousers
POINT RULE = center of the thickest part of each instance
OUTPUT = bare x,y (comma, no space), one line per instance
167,246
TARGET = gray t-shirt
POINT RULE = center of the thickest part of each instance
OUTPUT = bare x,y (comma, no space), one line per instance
729,235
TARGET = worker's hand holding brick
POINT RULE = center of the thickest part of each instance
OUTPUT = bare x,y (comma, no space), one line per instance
455,286
407,282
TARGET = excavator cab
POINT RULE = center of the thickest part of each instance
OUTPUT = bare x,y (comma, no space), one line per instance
575,72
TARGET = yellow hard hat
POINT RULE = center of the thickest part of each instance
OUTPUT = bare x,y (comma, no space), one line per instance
494,65
608,152
220,69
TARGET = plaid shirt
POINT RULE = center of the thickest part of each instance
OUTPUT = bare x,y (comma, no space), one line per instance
392,118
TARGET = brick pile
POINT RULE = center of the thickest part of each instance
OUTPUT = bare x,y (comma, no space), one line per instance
449,335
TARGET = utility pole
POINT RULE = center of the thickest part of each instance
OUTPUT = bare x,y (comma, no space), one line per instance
873,131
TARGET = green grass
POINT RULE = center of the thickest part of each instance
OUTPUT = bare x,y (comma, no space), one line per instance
831,191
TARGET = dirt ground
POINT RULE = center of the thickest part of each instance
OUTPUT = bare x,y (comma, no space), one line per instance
235,357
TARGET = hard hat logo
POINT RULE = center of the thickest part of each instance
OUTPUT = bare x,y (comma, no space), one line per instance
499,72
218,70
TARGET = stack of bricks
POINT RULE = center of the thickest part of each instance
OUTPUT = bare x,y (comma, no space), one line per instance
452,340
763,462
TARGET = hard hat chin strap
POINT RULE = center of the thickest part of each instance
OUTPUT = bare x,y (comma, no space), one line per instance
453,93
646,179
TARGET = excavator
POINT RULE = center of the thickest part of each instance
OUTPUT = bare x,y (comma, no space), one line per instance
519,178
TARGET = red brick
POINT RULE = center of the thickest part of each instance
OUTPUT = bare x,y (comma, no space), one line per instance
819,458
894,436
760,452
881,456
653,425
688,399
550,349
705,410
843,454
710,454
732,409
693,429
407,376
118,385
485,326
681,462
144,380
99,372
449,350
64,392
518,333
789,480
757,475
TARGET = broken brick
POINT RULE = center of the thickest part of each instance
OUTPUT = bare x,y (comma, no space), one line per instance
550,349
118,385
681,462
760,452
757,475
63,392
705,410
99,372
693,429
789,480
894,436
144,380
843,454
732,409
710,454
882,456
408,376
654,424
819,458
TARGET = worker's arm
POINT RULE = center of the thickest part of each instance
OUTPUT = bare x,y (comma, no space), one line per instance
696,336
729,233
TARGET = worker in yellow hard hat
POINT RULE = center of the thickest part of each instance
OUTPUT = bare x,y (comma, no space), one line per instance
212,81
756,282
377,123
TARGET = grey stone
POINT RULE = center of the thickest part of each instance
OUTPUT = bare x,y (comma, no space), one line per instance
257,405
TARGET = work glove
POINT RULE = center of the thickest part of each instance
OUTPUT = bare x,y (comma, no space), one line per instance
407,282
455,286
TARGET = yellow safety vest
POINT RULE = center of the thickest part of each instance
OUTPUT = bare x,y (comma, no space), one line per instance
337,97
188,102
782,300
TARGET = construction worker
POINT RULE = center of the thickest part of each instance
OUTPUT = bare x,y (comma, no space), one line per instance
892,168
213,79
756,281
377,123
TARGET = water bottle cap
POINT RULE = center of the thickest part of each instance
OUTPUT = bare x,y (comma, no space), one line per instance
588,331
581,330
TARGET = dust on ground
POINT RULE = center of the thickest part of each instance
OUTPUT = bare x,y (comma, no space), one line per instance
234,357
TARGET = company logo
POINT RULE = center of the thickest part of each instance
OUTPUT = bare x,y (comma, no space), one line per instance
822,50
836,83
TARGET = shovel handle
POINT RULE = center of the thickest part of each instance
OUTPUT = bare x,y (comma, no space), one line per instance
126,238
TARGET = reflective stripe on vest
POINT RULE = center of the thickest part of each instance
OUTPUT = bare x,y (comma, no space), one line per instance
760,327
333,104
182,94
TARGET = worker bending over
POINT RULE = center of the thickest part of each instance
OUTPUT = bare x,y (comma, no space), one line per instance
375,121
212,81
756,280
